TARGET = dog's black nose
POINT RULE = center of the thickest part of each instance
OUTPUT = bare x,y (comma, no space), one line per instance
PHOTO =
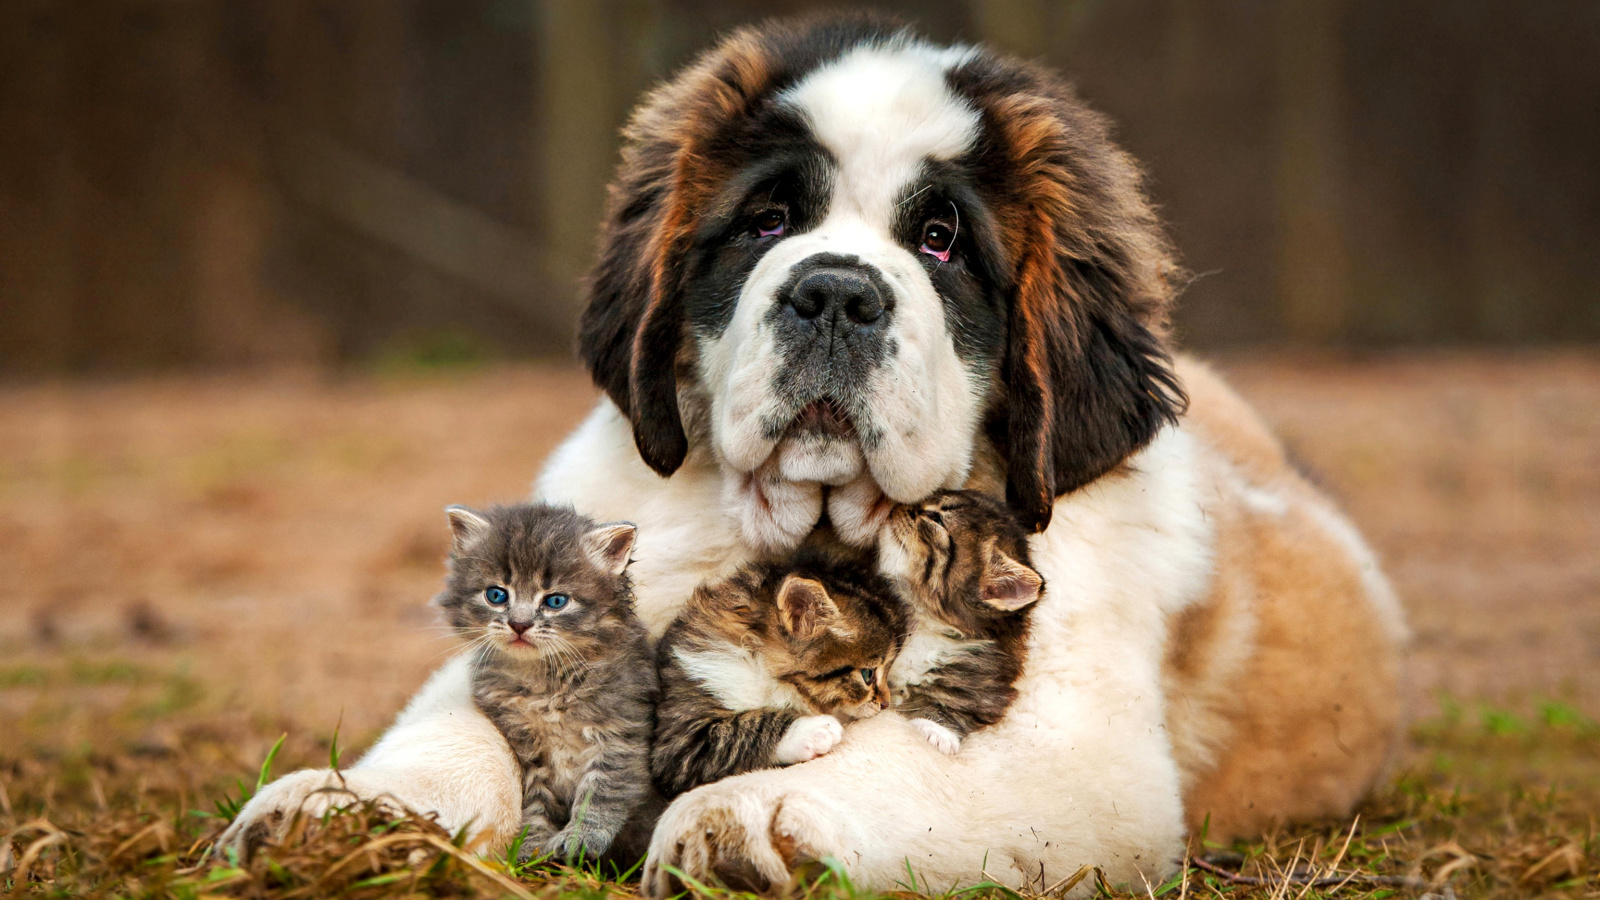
827,291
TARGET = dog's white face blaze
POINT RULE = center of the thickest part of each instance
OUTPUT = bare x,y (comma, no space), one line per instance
881,112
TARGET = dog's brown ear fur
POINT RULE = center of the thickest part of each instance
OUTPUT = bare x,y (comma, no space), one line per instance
633,325
1087,374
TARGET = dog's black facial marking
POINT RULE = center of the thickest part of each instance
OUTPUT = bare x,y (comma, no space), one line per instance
970,281
788,172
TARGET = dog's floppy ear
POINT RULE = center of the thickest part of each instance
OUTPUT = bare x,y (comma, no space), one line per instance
1088,376
633,324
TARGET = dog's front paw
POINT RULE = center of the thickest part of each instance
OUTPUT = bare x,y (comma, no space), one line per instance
943,739
740,834
308,793
808,738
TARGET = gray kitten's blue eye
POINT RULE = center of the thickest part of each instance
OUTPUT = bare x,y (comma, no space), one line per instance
496,595
555,601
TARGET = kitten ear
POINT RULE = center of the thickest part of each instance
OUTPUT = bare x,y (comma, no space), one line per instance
466,526
1007,584
609,545
804,607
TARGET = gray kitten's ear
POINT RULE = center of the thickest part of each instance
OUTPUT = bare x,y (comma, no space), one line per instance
804,607
466,526
1008,584
610,545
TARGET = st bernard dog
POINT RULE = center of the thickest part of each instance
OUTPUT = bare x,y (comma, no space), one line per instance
843,267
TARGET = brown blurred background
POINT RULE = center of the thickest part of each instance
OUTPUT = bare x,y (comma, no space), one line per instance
225,182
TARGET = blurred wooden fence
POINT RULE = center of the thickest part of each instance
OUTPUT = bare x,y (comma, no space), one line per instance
243,181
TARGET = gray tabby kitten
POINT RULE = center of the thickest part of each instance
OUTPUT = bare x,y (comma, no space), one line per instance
961,560
564,667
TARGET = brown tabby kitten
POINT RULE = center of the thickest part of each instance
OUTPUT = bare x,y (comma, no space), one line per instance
758,670
961,560
563,669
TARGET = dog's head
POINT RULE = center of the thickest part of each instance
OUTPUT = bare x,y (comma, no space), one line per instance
838,255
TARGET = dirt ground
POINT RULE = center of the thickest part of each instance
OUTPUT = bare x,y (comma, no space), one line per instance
263,547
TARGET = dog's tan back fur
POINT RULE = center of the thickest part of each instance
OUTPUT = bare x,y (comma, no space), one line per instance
1283,684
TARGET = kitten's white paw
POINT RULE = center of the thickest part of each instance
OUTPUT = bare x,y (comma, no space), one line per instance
808,738
943,739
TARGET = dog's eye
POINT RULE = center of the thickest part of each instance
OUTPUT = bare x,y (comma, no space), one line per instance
770,223
937,238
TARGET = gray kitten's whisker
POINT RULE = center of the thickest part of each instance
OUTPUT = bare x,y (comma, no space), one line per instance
568,653
445,632
470,647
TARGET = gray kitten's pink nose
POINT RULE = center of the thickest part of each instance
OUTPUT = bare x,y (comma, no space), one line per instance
520,627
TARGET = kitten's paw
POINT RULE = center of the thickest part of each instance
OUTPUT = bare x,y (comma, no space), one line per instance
571,844
943,739
536,843
808,738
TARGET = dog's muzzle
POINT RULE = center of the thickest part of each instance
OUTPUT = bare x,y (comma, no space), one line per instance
831,322
841,298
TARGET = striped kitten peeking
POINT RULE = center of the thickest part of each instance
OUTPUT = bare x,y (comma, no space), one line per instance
760,669
563,667
961,560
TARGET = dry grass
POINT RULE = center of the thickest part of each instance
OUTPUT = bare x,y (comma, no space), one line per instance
190,568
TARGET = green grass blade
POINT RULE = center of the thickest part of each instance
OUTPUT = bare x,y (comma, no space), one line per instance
266,764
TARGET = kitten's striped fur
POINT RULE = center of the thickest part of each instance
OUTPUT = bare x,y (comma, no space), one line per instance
758,670
961,561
